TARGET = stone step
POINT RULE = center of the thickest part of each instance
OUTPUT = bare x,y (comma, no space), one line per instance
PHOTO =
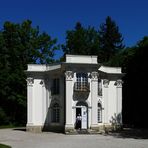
83,131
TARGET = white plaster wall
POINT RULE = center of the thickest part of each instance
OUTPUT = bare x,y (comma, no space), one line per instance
111,100
42,98
81,59
110,69
37,105
36,67
69,103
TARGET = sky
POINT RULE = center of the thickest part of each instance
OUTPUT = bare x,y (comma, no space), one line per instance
55,17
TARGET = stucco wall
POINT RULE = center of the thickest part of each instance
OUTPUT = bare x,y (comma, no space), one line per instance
111,100
41,98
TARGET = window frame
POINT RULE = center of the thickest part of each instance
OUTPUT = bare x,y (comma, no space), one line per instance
99,87
56,86
55,113
99,114
81,80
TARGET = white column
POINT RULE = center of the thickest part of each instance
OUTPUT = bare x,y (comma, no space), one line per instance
94,95
69,97
119,101
30,82
105,100
43,101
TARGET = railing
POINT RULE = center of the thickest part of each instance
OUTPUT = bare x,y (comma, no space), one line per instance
81,86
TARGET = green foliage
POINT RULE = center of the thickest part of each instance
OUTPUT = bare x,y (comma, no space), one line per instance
110,39
3,117
4,146
82,41
134,63
20,44
105,43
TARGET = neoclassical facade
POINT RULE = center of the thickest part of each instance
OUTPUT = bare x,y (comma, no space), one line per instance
58,93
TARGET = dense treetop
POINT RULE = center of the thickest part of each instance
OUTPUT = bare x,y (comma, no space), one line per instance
20,44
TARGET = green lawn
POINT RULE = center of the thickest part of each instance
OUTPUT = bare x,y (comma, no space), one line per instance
4,146
6,126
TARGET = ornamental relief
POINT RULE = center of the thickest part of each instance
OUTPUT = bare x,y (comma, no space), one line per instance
30,81
94,75
106,83
119,83
69,75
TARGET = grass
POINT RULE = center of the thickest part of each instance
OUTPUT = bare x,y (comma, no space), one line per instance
11,126
4,146
6,126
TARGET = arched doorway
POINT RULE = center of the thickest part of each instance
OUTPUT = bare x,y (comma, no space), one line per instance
81,115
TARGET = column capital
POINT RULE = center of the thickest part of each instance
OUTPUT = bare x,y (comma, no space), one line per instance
69,75
106,83
119,83
30,81
94,76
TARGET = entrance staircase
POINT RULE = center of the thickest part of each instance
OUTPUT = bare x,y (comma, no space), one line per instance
84,131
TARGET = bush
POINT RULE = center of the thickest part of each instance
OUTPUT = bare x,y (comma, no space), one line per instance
3,117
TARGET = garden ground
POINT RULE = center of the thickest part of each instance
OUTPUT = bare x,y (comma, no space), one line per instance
19,138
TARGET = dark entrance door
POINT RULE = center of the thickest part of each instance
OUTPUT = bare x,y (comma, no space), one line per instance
78,118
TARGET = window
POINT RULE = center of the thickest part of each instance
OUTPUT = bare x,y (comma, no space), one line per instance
56,113
56,86
99,113
82,81
99,87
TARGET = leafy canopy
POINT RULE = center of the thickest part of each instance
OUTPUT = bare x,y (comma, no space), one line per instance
82,41
20,44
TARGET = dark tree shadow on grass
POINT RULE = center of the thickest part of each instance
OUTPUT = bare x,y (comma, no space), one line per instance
130,133
20,129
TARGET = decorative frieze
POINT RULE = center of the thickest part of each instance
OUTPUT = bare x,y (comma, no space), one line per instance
69,75
119,83
94,76
106,83
30,81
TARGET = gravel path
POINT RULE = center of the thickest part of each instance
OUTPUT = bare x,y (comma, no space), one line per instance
22,139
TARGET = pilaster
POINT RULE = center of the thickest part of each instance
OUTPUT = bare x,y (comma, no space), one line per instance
118,84
105,100
42,83
94,95
69,96
30,82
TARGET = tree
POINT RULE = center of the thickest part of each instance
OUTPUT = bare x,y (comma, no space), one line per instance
20,44
84,41
136,84
133,61
110,39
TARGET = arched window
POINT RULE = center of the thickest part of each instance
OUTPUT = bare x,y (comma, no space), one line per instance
56,113
99,113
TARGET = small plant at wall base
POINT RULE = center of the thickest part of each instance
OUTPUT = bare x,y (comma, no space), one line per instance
116,122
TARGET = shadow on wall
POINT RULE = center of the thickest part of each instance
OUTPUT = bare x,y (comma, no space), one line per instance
52,120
